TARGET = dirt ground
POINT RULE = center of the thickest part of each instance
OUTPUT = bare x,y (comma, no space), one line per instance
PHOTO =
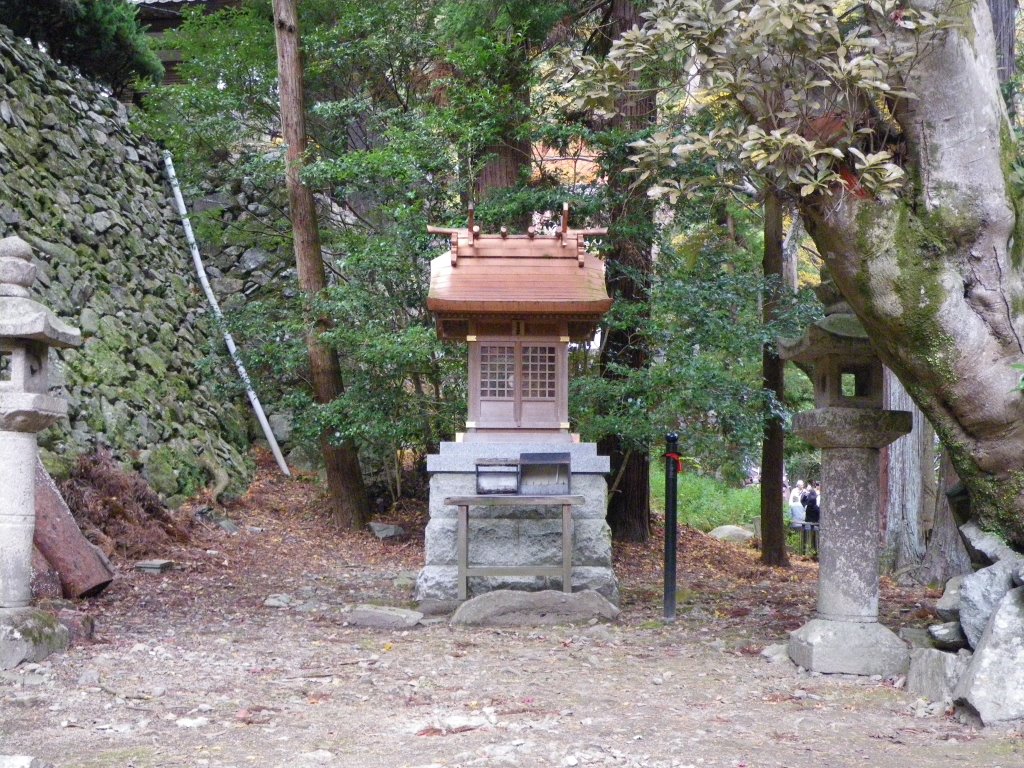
192,668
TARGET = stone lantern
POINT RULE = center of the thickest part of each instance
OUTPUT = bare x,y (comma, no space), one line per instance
850,427
27,331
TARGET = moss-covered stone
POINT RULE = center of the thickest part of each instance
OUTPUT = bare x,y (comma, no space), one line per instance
90,196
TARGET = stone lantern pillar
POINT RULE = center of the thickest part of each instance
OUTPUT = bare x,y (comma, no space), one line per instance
850,427
27,331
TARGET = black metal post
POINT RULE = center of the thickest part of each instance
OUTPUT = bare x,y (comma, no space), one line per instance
672,462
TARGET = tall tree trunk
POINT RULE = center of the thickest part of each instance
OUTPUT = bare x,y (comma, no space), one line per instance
773,527
908,507
1004,26
936,277
946,556
506,158
505,163
344,478
791,253
629,263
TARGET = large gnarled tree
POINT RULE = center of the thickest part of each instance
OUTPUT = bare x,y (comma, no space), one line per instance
885,123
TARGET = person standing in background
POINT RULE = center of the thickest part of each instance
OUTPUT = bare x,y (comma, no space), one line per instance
796,507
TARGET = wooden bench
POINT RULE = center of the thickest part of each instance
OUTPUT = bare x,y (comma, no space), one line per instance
509,500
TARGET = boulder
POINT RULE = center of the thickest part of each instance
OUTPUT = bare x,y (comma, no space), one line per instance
732,533
934,674
281,425
948,636
992,686
948,606
386,530
980,593
848,648
383,617
28,634
508,608
984,547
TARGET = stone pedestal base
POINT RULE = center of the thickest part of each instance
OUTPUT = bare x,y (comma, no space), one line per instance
513,535
28,634
848,647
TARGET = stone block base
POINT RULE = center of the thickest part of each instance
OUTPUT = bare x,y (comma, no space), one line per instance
440,583
848,647
933,673
514,536
28,634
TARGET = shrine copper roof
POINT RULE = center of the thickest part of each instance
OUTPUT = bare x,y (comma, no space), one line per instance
518,275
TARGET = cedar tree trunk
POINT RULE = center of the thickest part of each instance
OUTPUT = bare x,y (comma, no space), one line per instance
344,477
908,490
773,527
629,276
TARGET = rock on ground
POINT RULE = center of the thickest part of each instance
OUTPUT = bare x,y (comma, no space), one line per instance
386,530
993,684
507,608
948,636
980,593
734,533
383,617
948,606
933,674
983,546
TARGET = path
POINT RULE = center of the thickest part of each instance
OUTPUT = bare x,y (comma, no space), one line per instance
192,669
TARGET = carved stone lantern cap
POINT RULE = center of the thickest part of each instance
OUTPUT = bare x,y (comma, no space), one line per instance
837,355
20,316
838,334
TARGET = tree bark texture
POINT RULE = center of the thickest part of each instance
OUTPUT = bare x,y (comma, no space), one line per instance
504,164
629,264
80,567
344,477
507,158
1004,27
791,253
773,527
908,506
936,276
946,555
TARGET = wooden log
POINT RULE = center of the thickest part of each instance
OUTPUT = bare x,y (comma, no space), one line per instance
83,570
45,581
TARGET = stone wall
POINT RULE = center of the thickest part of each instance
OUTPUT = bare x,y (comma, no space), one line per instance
90,196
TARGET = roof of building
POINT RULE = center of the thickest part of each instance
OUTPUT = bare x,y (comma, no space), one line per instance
518,276
166,2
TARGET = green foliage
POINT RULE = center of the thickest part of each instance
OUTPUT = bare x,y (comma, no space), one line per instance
378,160
801,91
404,97
705,503
228,95
102,38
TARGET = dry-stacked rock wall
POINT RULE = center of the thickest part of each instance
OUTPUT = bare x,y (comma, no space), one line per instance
90,196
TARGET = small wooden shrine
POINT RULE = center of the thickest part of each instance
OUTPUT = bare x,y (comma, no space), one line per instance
518,300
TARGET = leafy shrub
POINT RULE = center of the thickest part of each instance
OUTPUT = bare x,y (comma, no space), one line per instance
102,38
705,503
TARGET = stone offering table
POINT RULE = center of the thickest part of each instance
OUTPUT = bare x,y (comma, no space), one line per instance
516,533
463,503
